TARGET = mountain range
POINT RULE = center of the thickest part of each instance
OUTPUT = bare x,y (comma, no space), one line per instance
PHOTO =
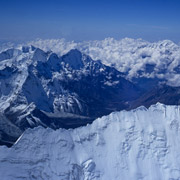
40,87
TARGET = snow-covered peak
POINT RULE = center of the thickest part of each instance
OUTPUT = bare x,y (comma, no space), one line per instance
27,49
138,144
74,59
8,54
41,88
166,43
130,56
39,55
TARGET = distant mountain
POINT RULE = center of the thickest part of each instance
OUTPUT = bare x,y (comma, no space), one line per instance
161,93
136,58
40,88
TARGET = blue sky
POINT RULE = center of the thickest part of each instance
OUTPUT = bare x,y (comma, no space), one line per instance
89,19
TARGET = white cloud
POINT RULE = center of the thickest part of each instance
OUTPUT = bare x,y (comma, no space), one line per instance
127,55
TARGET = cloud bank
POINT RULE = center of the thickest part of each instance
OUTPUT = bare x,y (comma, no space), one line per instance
135,57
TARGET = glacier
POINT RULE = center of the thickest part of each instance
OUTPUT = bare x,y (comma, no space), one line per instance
141,144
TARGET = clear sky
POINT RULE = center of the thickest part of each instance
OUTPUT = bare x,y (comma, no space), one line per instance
89,19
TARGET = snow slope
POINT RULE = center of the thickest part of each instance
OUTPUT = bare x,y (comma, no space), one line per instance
127,145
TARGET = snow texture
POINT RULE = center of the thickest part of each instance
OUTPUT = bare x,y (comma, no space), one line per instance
127,145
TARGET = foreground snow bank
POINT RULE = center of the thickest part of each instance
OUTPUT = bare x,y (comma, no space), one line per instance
126,145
